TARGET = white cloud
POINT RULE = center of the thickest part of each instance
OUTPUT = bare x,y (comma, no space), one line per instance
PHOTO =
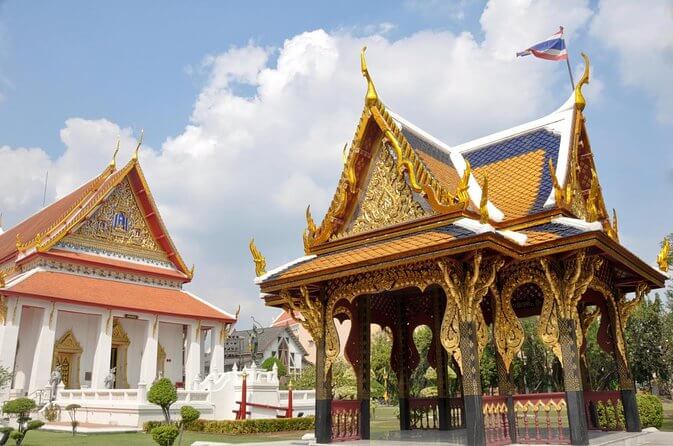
265,139
642,37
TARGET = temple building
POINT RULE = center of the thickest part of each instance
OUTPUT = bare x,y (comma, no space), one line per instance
468,240
94,282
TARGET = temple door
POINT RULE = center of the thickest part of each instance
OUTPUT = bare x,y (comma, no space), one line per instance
120,344
67,353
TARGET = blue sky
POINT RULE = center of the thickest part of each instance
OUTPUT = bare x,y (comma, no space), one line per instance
245,105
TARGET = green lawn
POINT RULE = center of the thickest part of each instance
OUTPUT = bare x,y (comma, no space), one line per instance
385,420
40,438
668,415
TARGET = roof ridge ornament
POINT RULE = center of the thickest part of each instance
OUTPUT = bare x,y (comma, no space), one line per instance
580,102
371,98
140,143
664,253
258,258
113,161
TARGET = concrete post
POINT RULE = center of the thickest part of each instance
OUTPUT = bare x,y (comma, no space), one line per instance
101,357
44,350
148,361
192,355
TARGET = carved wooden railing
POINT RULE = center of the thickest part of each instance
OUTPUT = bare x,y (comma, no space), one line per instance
604,411
424,413
541,418
496,424
345,420
456,414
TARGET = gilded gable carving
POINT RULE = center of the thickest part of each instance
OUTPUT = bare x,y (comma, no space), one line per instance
388,199
118,225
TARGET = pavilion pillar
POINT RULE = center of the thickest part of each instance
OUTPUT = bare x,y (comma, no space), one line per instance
43,357
572,380
401,349
148,361
472,396
192,354
507,389
9,333
627,385
103,353
441,359
219,336
323,384
364,370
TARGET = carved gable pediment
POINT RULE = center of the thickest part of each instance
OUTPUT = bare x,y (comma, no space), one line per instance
118,225
386,198
68,343
119,336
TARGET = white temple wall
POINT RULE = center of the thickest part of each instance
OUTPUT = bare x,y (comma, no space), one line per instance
29,330
170,338
136,330
85,328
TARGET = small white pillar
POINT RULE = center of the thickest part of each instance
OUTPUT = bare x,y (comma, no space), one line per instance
217,350
9,333
103,353
44,351
142,392
148,362
192,354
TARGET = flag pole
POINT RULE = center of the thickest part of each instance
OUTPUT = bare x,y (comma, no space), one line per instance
570,71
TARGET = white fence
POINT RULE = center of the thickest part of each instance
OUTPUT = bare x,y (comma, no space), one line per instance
217,397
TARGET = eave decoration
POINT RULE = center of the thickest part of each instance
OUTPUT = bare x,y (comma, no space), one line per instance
257,258
406,163
465,287
664,254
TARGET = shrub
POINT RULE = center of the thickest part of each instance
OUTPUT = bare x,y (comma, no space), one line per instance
20,406
268,366
5,432
163,394
236,427
651,410
610,417
165,434
72,411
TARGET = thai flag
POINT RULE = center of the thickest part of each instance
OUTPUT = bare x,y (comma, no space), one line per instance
553,48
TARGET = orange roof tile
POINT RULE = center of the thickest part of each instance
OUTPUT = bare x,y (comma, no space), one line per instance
513,183
43,220
114,294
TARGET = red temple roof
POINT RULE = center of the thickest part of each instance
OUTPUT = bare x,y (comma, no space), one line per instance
72,288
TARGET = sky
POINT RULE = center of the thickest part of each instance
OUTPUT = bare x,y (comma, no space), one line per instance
247,105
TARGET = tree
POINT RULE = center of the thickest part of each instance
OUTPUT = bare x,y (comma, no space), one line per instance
163,394
21,408
306,380
187,415
601,365
72,411
645,339
422,338
381,348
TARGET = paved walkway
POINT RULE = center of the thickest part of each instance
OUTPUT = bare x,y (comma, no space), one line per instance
650,437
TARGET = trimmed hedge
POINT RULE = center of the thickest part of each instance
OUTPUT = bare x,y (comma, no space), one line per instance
651,410
243,426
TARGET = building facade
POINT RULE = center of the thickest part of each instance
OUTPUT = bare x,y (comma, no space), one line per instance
93,282
272,342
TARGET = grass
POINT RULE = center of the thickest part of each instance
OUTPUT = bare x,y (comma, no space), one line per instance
668,415
385,420
40,438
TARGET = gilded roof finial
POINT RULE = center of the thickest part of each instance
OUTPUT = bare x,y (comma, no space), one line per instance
238,311
615,224
579,97
463,185
258,258
309,233
140,143
483,205
191,271
113,161
372,97
662,257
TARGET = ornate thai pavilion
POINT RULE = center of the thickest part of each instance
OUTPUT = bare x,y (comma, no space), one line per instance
461,239
94,282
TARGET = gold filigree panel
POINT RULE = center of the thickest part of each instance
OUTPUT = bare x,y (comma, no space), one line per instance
118,225
387,200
